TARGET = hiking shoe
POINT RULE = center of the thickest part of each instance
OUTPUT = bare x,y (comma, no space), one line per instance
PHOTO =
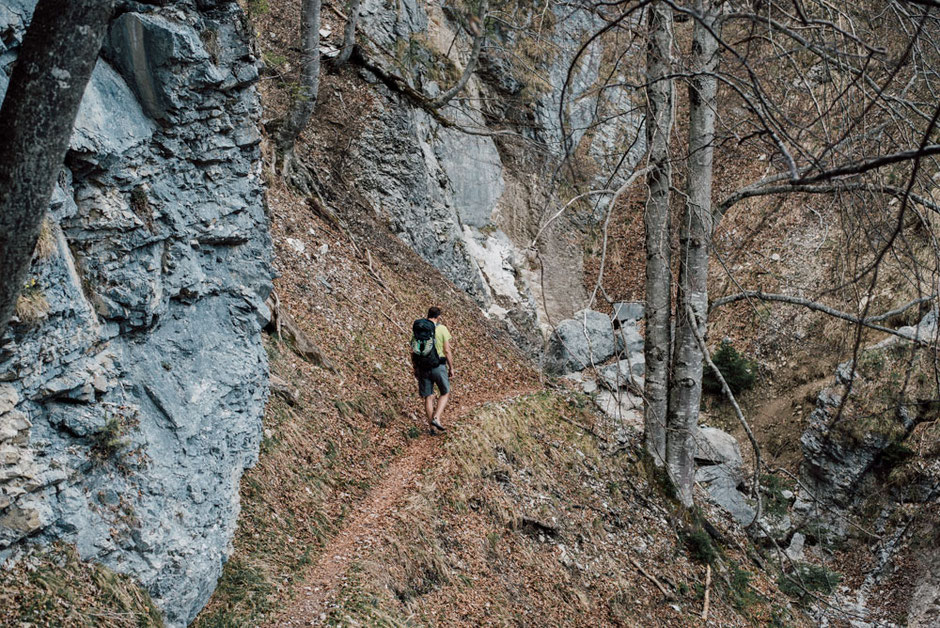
437,424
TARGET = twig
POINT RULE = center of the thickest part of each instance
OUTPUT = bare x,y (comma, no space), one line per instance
755,483
652,578
708,583
584,428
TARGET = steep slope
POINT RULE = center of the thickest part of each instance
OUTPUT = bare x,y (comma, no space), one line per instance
330,438
470,185
350,494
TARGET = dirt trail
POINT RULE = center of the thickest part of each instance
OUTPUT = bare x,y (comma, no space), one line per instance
324,578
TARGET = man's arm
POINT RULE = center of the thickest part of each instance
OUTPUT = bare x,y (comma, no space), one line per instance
448,356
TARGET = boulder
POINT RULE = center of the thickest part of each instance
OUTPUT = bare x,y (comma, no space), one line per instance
580,341
630,337
621,406
721,481
794,551
714,446
628,312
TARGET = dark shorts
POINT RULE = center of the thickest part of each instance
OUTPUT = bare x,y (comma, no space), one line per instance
437,375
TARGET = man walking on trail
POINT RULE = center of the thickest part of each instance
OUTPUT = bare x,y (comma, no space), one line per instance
433,364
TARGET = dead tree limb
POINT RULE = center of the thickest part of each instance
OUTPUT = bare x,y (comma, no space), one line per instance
479,24
870,322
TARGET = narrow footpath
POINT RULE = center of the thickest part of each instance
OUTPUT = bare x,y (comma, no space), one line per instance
324,579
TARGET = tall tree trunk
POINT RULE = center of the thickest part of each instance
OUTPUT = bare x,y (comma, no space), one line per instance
349,35
660,94
58,55
302,109
694,244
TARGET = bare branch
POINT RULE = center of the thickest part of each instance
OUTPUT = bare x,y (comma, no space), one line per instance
478,39
869,322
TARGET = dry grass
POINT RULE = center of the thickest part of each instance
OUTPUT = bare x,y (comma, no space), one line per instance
32,305
464,549
46,244
54,587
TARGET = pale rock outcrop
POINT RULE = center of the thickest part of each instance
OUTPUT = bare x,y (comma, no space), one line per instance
577,343
443,190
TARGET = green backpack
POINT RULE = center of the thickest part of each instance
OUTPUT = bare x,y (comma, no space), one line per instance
423,351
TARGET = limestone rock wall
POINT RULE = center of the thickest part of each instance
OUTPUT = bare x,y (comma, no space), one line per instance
452,195
134,379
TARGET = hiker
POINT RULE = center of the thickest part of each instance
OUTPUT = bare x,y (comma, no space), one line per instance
431,359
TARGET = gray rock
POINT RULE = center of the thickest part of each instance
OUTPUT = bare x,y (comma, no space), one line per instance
474,171
721,481
97,129
625,373
630,338
714,446
924,607
160,269
794,550
580,341
629,311
388,27
150,50
626,409
834,466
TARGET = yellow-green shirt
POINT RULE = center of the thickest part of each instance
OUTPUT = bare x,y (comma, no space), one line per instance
441,335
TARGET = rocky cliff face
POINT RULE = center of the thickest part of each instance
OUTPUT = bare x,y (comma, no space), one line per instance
134,378
468,203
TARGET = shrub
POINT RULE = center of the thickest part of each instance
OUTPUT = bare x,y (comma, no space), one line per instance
109,441
739,372
699,546
807,579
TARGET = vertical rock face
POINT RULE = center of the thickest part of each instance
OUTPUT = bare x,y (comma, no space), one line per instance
449,194
135,379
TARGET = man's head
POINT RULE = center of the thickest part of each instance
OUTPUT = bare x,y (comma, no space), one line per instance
434,313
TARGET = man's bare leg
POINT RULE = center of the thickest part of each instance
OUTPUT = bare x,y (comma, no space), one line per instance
429,407
441,404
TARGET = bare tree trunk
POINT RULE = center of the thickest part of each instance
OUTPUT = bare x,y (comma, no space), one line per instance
58,55
694,244
349,35
302,109
478,39
656,220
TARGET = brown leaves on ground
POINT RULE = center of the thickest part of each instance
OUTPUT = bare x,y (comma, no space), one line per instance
54,587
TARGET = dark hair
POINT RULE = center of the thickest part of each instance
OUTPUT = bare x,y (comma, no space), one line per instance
434,312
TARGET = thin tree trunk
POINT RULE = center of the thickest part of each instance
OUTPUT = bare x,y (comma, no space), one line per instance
694,244
58,55
302,109
660,93
478,39
349,35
